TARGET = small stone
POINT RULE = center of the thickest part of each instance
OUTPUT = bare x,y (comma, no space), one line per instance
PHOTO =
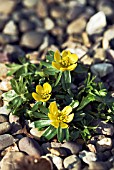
58,151
71,147
5,39
102,69
14,52
29,3
74,29
10,28
45,147
3,70
57,12
26,25
87,156
72,162
48,24
36,134
96,23
104,144
6,7
32,39
42,9
4,127
3,118
100,55
97,166
108,36
91,147
110,55
57,161
104,128
5,85
4,110
5,141
30,146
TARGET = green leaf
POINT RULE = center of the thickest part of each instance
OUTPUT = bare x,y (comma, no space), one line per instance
67,134
35,107
60,134
43,109
50,71
58,78
41,123
46,64
8,96
15,86
81,69
50,132
86,100
74,104
37,115
67,77
13,68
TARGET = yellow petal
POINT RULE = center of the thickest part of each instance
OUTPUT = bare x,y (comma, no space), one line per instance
56,65
47,87
65,53
69,118
72,67
73,58
67,110
36,96
53,108
63,68
57,56
52,117
63,125
55,124
39,89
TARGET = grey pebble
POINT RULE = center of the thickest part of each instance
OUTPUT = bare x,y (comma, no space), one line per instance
5,141
3,118
4,127
30,146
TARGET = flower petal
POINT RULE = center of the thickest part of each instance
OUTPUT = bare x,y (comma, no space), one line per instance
65,53
73,58
67,110
56,65
72,67
53,108
63,125
39,89
36,96
69,118
57,56
63,68
52,116
47,87
55,124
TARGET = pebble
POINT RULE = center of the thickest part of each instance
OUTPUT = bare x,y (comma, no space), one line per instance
58,151
45,147
57,161
5,39
104,128
107,37
48,24
32,39
5,141
5,127
71,147
10,28
97,166
6,7
5,85
96,23
100,55
36,134
14,52
3,118
102,69
3,70
26,25
29,3
72,162
30,146
42,10
72,27
87,156
103,144
4,110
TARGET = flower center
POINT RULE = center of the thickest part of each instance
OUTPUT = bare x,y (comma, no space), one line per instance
65,62
45,95
61,117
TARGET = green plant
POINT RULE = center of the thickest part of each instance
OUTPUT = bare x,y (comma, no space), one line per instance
44,94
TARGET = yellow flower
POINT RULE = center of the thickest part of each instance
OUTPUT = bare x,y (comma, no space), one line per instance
60,118
42,93
65,61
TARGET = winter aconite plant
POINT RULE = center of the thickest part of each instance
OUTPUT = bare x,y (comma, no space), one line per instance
59,96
